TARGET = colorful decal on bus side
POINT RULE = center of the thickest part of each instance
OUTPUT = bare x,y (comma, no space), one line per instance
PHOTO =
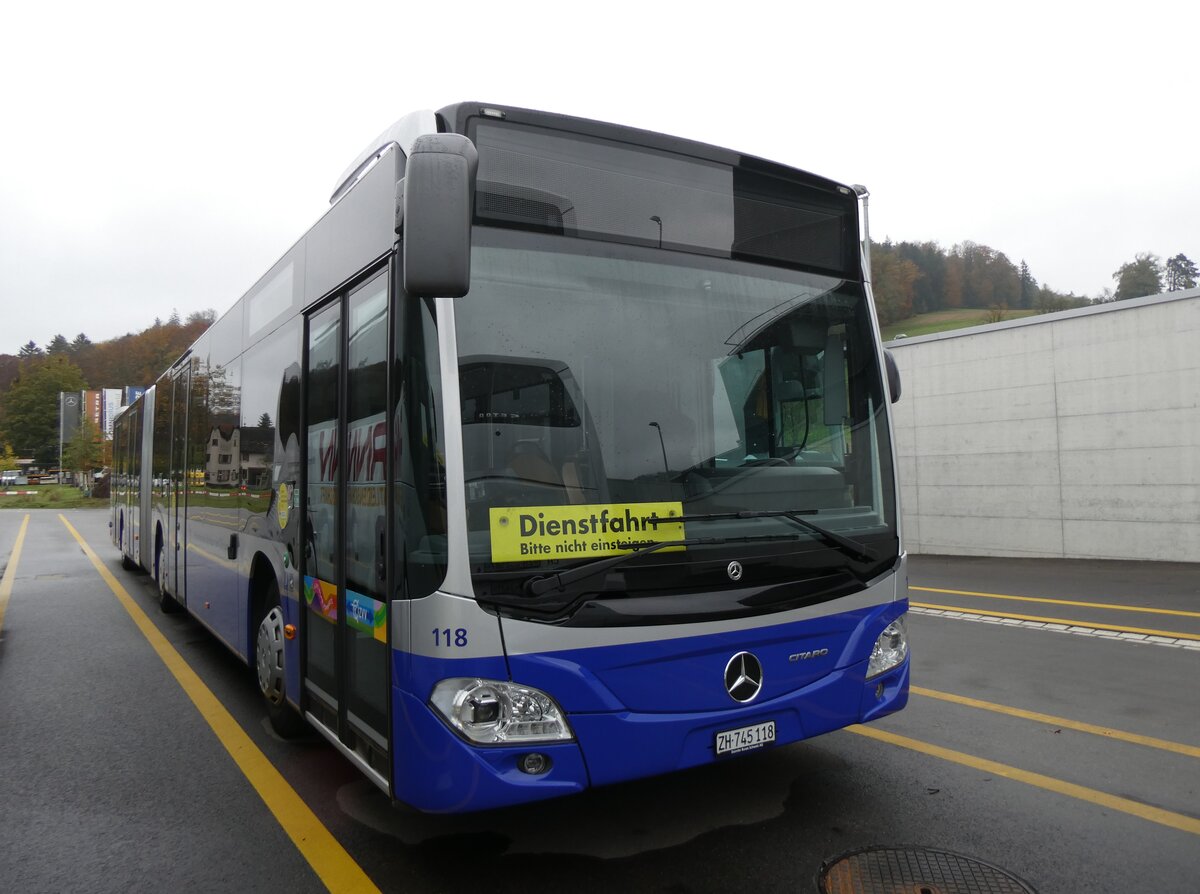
321,597
367,615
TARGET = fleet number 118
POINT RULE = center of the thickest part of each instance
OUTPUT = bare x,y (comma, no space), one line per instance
450,638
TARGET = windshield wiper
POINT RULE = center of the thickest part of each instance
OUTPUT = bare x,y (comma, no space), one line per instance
559,580
847,545
537,585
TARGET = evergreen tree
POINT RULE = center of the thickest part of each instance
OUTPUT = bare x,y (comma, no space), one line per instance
1181,273
58,345
30,350
1029,286
930,288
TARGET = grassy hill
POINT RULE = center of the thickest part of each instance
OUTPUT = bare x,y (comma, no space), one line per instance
945,320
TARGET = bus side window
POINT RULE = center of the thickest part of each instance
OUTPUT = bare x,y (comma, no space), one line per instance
418,453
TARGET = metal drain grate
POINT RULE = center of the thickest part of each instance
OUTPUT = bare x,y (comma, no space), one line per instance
915,870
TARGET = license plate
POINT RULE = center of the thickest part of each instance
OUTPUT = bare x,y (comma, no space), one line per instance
746,738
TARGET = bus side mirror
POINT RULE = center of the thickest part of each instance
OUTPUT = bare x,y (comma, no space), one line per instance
893,375
439,192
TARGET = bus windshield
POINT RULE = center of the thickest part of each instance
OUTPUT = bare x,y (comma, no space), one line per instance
607,388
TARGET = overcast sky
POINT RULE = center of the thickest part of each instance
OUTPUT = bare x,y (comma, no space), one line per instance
153,160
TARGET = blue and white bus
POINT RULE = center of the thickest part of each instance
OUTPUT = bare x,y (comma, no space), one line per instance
555,454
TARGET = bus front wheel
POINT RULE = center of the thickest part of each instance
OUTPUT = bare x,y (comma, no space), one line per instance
269,663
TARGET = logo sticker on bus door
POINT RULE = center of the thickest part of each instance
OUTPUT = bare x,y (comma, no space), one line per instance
367,615
283,505
557,533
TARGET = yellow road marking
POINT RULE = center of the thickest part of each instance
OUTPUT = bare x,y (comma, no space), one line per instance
329,860
10,572
1083,793
1095,625
1065,723
1102,605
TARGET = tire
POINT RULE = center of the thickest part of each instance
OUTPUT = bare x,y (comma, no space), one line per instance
166,602
271,670
127,563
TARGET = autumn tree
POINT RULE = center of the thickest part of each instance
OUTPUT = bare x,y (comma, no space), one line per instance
203,318
1048,300
1141,276
10,368
892,280
139,359
952,289
1181,273
989,277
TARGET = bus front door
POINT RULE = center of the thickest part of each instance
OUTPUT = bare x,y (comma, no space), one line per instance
346,632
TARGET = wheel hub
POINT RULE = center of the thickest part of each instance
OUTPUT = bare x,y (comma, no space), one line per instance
269,656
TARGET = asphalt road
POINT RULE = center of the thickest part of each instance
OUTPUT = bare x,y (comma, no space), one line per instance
1066,753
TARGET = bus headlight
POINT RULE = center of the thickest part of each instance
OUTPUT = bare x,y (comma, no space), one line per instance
889,650
490,712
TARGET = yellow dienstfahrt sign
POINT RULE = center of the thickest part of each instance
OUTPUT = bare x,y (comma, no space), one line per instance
557,533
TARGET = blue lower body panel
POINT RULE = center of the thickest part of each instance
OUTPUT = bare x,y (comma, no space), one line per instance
438,772
642,709
625,746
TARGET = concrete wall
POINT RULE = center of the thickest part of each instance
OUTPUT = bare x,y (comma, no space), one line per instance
1074,434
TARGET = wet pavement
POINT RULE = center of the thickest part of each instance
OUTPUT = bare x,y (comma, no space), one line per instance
1053,733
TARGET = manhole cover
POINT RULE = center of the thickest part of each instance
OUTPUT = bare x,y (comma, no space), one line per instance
915,870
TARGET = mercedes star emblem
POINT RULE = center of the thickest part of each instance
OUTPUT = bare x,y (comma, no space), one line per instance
743,677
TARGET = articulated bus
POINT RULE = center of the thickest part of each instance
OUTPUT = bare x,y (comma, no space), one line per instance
556,453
